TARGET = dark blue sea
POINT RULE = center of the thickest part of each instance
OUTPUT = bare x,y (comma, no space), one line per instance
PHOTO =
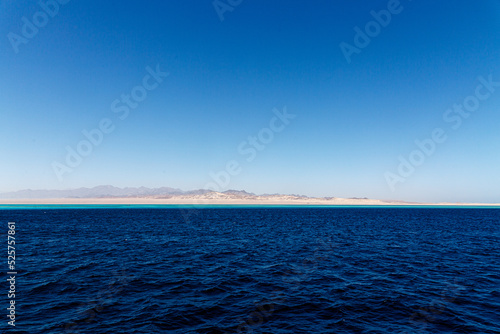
254,270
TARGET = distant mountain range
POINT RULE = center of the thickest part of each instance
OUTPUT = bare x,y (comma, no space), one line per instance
165,195
111,191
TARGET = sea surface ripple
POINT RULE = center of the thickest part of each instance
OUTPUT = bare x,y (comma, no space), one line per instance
257,270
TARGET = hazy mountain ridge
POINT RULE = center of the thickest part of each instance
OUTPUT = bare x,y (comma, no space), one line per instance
107,194
95,192
106,191
112,193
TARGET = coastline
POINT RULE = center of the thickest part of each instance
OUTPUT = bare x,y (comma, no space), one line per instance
188,201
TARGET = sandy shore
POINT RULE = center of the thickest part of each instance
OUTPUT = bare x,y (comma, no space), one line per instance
224,201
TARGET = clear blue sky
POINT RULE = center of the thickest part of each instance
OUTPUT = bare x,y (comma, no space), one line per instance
353,119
